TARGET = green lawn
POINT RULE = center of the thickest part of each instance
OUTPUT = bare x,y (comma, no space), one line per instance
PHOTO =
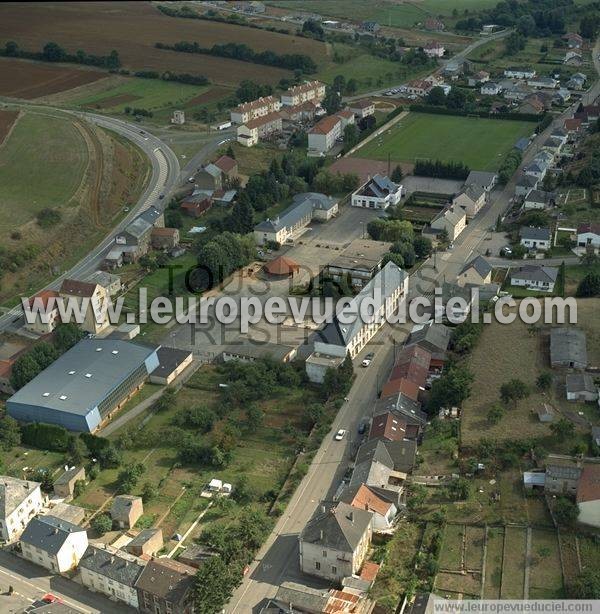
479,143
41,165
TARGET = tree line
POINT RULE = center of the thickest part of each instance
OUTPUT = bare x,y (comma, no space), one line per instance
441,170
52,52
171,76
243,53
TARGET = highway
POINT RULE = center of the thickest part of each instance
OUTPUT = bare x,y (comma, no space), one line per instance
277,560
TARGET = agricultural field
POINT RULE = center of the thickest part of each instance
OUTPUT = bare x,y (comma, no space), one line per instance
493,563
513,563
7,121
520,352
86,176
29,80
133,28
545,579
479,143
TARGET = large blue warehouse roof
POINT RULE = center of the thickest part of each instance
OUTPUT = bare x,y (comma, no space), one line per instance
83,376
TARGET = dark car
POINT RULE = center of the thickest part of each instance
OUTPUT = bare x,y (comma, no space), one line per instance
362,427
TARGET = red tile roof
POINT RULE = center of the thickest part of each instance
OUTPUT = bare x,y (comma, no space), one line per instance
589,227
588,488
369,571
387,426
325,126
366,499
361,104
255,104
74,287
346,113
410,371
572,124
265,119
403,385
225,163
44,295
164,232
5,368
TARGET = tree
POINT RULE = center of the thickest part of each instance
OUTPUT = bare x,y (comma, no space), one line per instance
514,43
332,101
495,413
586,585
230,151
66,335
422,246
77,450
214,585
565,511
10,433
436,96
513,390
526,25
460,489
24,370
351,136
588,26
456,99
128,478
563,429
149,492
254,417
451,389
589,285
397,174
53,52
101,524
544,381
312,28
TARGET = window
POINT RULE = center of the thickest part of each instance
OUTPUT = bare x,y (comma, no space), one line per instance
333,569
317,566
324,554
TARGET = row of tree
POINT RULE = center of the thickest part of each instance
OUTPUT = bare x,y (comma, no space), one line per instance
185,77
243,53
52,52
441,170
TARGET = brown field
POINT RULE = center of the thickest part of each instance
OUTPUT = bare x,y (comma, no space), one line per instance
29,80
113,101
214,93
7,119
132,28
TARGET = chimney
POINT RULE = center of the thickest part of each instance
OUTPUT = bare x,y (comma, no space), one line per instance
351,516
321,535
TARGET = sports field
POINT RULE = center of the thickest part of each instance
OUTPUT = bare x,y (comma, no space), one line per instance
479,143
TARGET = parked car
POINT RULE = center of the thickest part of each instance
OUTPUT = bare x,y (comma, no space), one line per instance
367,359
506,251
340,435
362,427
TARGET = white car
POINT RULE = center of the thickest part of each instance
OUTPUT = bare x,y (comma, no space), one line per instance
340,435
367,359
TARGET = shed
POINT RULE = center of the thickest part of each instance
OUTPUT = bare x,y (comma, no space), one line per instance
65,484
282,266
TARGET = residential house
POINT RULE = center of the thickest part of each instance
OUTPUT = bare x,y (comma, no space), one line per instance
305,208
401,386
346,117
516,93
540,82
532,105
250,132
568,348
166,586
523,144
357,263
516,72
553,145
491,88
310,91
418,87
588,235
561,134
562,96
412,364
292,597
126,510
196,555
53,543
165,238
389,427
537,168
196,206
134,241
229,169
64,486
146,543
471,199
524,184
304,112
92,297
378,192
247,111
20,500
335,542
453,220
45,308
317,366
382,506
534,277
535,238
572,126
562,476
588,495
324,134
577,81
573,40
110,282
387,288
476,272
539,199
362,108
581,387
573,58
431,336
434,49
112,572
481,76
209,177
407,410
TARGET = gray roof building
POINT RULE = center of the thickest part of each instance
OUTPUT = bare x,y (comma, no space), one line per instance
581,382
296,597
532,233
540,197
168,581
378,186
400,404
480,265
483,179
81,387
534,273
568,347
48,533
113,564
13,492
338,526
527,181
431,336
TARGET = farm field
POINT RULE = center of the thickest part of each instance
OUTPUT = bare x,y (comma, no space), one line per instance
513,564
493,563
479,143
133,28
29,80
545,580
7,120
52,149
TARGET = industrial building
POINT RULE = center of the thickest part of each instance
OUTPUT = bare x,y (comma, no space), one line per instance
82,388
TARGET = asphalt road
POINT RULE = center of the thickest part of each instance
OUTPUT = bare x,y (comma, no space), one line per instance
31,582
277,560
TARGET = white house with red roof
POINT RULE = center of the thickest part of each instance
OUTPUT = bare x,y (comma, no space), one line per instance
588,235
588,495
434,49
47,318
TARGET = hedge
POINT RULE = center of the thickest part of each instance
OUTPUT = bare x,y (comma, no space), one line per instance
45,436
523,117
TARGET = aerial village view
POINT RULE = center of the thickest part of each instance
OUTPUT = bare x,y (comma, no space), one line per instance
300,306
